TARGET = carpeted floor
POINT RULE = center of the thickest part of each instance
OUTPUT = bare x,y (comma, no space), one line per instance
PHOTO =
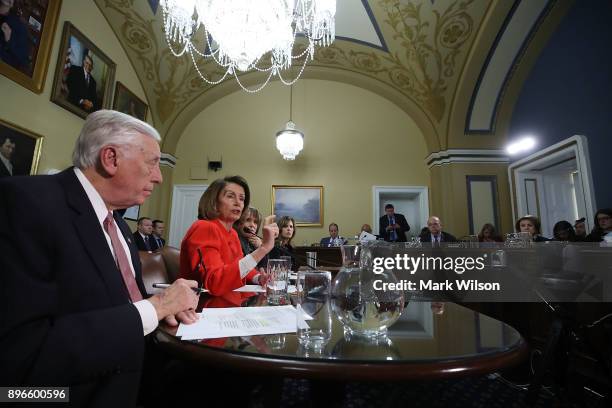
477,392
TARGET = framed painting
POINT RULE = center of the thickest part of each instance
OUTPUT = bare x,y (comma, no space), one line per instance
84,75
19,150
127,102
303,203
26,39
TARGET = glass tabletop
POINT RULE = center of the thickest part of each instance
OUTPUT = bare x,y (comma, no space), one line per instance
425,332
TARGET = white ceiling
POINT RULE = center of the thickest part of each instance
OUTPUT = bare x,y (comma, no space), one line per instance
354,21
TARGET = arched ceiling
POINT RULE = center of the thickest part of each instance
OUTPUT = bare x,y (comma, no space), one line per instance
414,52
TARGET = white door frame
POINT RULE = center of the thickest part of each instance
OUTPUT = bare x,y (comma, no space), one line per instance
422,192
577,145
179,212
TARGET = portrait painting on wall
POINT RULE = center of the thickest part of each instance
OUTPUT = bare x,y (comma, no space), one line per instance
127,102
84,74
19,150
303,203
27,28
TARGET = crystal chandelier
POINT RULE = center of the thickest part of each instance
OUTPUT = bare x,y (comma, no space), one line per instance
290,141
245,35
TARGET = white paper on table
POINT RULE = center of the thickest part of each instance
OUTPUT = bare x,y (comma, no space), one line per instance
242,321
251,288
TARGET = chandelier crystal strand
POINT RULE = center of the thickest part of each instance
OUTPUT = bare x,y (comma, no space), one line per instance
248,35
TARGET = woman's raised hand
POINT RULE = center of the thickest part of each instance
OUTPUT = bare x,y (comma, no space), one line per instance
270,232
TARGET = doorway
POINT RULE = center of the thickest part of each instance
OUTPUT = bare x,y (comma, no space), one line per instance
411,201
554,184
184,211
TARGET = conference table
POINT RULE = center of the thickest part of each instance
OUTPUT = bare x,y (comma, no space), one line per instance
430,341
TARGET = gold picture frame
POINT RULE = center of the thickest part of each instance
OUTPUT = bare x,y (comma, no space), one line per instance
72,90
126,101
303,203
27,147
35,31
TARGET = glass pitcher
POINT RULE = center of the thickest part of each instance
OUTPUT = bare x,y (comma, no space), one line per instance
363,310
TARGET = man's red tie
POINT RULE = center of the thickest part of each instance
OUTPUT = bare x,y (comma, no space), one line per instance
122,260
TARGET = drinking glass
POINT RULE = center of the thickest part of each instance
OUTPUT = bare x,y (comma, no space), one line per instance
313,305
278,278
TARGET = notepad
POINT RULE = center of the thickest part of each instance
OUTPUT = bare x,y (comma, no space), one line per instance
242,321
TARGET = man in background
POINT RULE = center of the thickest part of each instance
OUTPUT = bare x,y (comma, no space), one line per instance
334,239
434,233
74,311
7,148
393,226
158,232
580,229
143,236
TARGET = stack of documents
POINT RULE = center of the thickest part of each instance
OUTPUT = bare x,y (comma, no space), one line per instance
242,321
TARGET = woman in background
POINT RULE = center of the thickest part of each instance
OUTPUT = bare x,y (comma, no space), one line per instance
488,234
531,225
603,226
247,228
282,247
211,251
563,231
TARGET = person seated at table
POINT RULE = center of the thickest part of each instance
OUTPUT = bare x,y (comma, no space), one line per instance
247,228
488,234
531,224
282,246
211,251
334,239
367,228
563,231
580,229
434,234
603,227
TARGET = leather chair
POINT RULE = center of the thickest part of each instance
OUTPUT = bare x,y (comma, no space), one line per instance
159,267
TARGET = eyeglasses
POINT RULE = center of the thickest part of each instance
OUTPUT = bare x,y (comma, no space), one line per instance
604,218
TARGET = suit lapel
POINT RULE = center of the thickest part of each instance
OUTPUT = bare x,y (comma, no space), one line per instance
92,238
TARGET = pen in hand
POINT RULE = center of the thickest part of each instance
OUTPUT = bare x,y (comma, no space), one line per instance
167,285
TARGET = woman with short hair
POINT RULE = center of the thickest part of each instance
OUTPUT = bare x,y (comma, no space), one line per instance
211,251
531,224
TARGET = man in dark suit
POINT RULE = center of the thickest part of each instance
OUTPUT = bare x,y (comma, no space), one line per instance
143,236
74,311
393,226
158,233
82,86
7,148
434,234
334,239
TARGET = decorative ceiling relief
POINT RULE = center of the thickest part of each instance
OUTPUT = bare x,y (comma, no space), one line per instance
428,45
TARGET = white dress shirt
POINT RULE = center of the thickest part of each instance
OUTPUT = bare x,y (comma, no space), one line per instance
147,312
7,164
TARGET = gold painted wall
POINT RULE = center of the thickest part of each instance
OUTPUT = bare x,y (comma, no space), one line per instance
354,139
37,113
449,198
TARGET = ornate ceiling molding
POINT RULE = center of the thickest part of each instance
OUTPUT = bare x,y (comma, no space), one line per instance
428,45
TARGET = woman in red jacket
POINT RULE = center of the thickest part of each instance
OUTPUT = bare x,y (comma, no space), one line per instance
211,251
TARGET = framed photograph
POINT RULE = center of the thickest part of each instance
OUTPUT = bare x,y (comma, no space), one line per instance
26,38
19,150
303,203
127,102
84,74
132,213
